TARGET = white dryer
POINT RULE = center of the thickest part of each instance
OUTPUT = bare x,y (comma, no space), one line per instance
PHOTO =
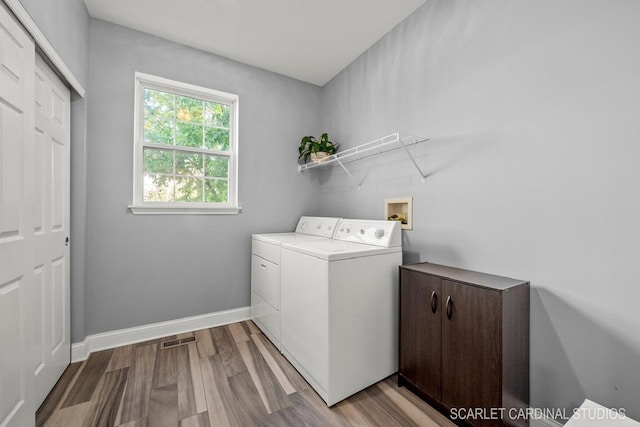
265,270
339,307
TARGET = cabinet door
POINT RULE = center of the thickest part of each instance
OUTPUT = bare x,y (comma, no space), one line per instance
420,331
471,343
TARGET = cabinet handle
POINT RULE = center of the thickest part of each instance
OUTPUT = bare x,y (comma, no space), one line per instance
264,267
434,301
449,311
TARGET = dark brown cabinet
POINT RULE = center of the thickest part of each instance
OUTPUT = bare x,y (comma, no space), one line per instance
464,343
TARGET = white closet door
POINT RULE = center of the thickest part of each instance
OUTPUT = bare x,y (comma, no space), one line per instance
50,197
16,223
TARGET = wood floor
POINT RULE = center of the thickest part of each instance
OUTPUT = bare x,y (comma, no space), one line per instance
232,376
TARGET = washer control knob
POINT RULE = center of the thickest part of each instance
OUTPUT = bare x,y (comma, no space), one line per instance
362,231
319,226
303,225
378,233
329,228
348,230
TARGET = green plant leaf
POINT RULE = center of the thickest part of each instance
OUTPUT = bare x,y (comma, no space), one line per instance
309,144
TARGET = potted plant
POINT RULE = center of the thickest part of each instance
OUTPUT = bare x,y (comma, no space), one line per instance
317,150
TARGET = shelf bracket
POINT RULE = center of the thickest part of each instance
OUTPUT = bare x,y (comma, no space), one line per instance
348,173
413,160
344,168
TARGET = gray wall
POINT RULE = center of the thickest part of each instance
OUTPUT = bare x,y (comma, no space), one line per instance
65,23
149,268
533,109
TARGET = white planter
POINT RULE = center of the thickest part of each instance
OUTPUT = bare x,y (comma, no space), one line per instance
319,156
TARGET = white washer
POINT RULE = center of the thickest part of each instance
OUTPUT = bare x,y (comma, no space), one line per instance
265,270
339,311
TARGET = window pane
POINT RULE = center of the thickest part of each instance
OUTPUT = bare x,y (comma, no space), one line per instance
188,135
217,139
188,190
158,188
216,115
188,163
216,191
158,104
158,116
189,109
159,131
158,161
216,167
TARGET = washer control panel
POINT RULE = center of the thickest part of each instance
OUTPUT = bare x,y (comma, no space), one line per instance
317,226
378,233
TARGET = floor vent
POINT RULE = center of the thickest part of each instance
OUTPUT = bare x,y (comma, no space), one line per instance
176,342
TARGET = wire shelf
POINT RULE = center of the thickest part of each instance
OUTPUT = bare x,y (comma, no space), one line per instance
382,145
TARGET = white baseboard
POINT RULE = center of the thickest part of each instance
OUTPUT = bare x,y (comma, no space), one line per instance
106,340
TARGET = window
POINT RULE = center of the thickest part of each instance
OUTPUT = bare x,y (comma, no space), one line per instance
186,148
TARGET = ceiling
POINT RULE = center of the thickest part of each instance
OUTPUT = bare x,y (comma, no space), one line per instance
310,40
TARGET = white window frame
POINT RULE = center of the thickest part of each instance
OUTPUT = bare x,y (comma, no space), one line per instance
139,206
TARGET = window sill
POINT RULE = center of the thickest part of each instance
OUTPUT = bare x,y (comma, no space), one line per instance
183,210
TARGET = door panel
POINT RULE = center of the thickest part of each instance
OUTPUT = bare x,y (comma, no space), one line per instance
51,153
16,224
37,196
38,301
471,342
59,303
12,157
57,184
14,406
420,331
